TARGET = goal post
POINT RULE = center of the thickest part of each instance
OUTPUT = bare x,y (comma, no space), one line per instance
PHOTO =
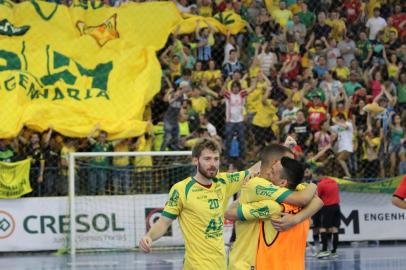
99,215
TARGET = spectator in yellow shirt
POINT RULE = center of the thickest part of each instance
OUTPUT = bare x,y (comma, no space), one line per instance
341,70
282,15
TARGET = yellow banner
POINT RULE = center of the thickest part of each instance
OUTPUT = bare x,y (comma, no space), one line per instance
383,186
15,179
222,22
75,67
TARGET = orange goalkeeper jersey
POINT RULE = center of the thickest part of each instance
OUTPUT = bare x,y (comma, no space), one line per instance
282,250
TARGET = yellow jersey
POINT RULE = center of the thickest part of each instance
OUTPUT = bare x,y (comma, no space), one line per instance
254,98
121,161
199,104
243,251
266,115
200,210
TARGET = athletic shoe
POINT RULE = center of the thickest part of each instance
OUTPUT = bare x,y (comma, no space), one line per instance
323,254
334,255
315,251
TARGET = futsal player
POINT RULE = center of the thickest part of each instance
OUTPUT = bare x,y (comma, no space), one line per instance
244,250
329,192
199,202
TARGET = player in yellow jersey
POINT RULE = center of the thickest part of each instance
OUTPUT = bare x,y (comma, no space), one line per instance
199,203
244,250
280,250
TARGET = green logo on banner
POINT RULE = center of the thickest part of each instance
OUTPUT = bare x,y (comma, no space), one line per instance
8,29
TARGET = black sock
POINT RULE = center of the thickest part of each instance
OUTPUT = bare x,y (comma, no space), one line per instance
329,236
335,242
324,241
316,239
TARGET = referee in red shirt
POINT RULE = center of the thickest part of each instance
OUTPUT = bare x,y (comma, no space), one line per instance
399,196
329,193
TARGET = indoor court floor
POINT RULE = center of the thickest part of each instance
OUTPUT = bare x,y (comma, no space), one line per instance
390,257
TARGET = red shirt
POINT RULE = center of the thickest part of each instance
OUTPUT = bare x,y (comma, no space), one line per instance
328,191
397,19
316,115
353,10
401,190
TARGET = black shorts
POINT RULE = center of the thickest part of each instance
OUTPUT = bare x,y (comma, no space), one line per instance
316,218
330,216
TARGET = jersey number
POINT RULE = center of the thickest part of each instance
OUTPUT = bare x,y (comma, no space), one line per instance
214,203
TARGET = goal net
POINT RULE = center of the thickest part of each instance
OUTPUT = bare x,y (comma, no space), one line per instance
114,197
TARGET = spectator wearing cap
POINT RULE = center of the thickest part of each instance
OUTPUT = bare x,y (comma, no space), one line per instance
317,110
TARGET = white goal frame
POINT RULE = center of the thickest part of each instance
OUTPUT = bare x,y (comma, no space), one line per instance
71,194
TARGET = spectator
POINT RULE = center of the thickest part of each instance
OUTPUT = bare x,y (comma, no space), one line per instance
306,17
347,49
343,131
171,128
98,165
375,24
235,101
205,41
232,65
321,29
302,130
396,144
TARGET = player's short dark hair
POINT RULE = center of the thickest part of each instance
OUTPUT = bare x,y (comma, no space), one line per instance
273,152
293,172
203,144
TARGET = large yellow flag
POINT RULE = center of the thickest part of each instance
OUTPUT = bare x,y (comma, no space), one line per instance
75,67
14,179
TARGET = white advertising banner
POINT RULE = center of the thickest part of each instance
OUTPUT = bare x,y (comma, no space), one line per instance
31,224
42,223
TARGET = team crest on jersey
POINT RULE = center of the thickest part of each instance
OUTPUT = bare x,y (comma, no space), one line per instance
219,194
265,191
102,33
260,212
173,200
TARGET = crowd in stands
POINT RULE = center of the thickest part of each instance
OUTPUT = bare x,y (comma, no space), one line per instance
331,74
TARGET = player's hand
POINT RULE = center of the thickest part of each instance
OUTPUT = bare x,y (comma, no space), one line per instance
249,177
285,222
145,244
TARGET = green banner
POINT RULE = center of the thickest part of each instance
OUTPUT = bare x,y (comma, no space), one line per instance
385,186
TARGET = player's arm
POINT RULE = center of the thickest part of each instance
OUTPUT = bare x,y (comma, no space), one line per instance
157,231
288,220
398,202
301,198
171,211
253,211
